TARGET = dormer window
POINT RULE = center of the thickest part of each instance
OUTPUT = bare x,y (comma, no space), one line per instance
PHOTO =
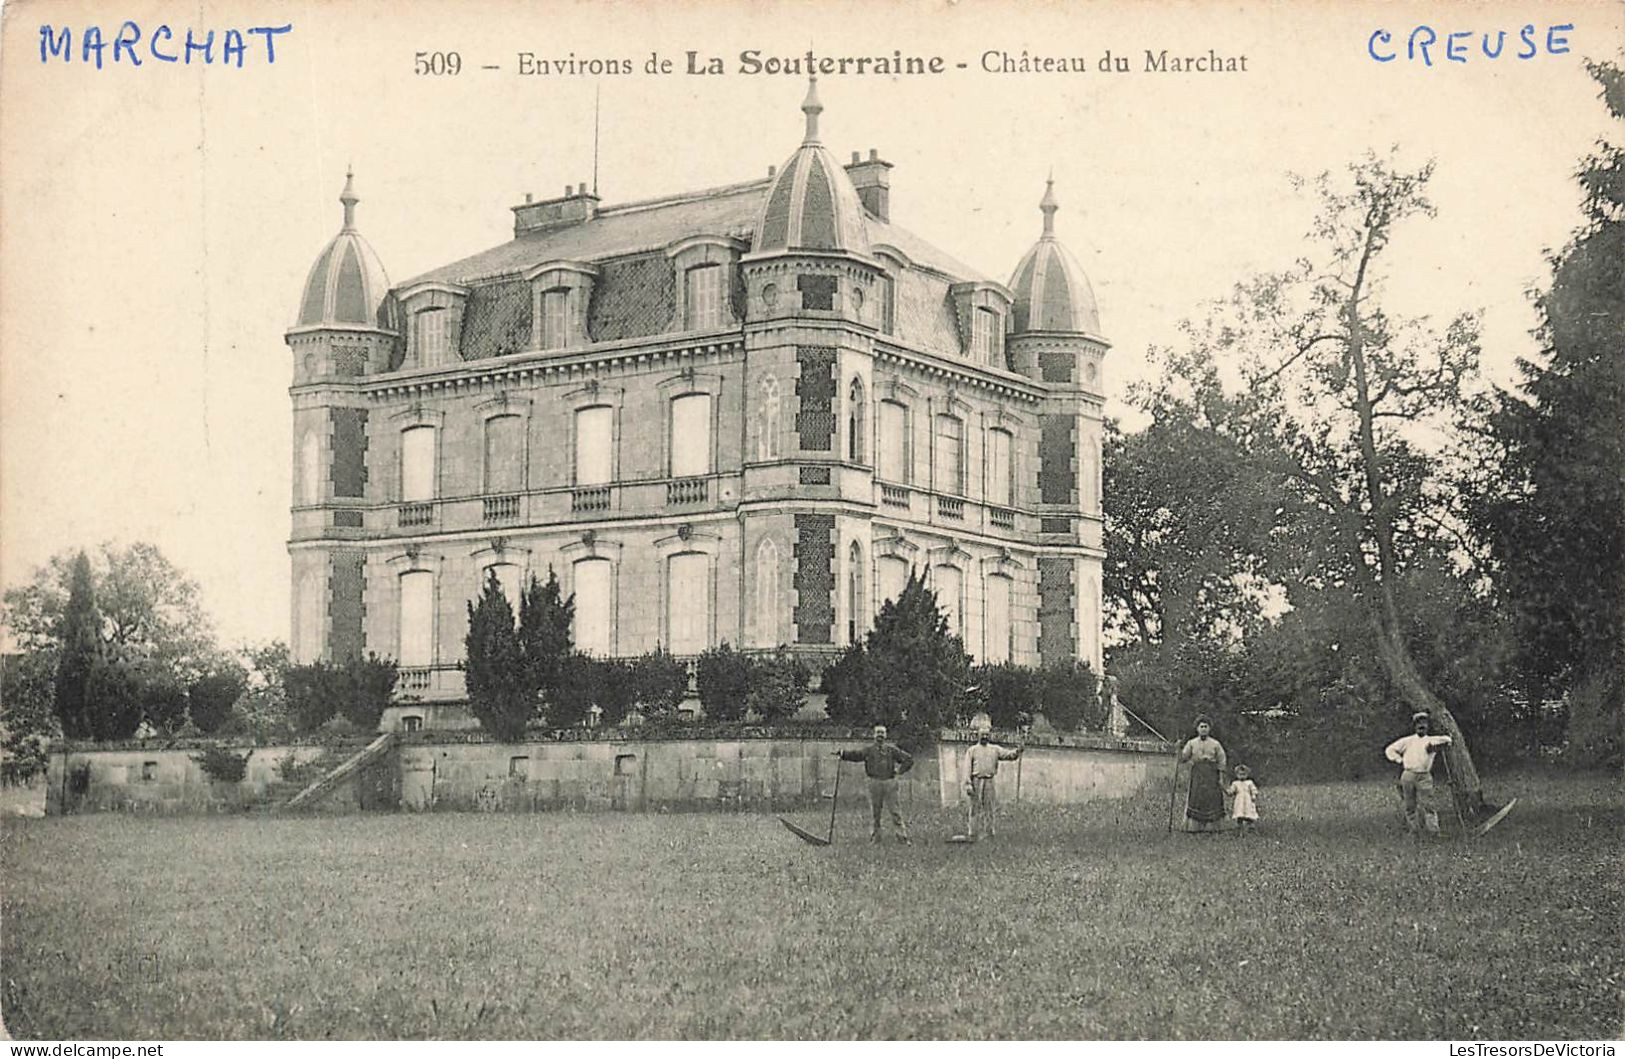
434,315
982,309
704,297
561,292
556,318
703,270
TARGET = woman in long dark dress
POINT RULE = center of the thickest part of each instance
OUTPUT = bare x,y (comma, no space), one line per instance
1204,804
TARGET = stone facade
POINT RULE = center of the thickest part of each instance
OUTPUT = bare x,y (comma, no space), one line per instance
738,415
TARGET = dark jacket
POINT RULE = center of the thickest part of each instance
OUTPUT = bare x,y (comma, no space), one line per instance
881,761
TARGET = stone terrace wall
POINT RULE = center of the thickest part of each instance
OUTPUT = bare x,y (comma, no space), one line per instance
757,770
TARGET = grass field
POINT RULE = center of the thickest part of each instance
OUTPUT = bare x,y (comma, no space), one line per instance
1084,923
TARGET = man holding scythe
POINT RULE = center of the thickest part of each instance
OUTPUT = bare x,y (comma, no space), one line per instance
981,767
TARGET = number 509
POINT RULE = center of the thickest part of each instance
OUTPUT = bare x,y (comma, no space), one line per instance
438,63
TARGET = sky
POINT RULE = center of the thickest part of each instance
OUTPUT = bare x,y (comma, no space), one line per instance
157,222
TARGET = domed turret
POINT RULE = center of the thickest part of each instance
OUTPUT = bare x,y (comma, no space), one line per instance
347,285
812,204
1051,291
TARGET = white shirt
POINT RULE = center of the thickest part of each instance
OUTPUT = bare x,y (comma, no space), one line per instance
1415,752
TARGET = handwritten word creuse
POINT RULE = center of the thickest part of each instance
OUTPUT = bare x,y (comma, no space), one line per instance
129,44
1457,45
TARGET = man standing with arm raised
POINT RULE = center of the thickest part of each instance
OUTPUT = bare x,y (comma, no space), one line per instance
883,762
1414,754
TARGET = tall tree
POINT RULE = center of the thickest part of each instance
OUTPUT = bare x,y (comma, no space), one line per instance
77,643
500,694
908,673
545,619
1349,395
1552,502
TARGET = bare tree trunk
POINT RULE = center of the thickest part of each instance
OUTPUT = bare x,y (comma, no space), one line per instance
1467,789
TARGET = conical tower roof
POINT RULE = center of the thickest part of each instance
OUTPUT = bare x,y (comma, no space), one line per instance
1051,292
347,284
812,204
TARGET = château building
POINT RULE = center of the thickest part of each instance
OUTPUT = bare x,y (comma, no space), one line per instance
742,414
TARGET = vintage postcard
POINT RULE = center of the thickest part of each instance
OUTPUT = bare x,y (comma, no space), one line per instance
811,520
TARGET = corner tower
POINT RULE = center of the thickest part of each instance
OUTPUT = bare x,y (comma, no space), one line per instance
810,318
345,328
1055,338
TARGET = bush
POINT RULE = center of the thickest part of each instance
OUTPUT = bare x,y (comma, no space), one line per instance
211,697
615,689
778,685
359,690
222,765
723,679
500,695
1008,692
661,683
1595,736
1069,696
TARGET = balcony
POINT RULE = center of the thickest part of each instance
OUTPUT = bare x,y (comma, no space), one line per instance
686,492
894,495
416,515
502,508
951,507
429,682
589,499
1002,518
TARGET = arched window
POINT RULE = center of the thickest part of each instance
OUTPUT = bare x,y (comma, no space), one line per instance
854,593
892,575
417,619
508,576
996,647
767,593
949,473
691,435
896,452
856,450
767,441
594,615
595,445
418,464
688,603
949,584
310,470
1000,468
504,454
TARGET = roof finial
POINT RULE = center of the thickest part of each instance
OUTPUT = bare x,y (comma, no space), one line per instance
812,108
1049,205
349,198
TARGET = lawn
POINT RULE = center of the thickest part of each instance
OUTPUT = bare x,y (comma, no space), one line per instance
1081,923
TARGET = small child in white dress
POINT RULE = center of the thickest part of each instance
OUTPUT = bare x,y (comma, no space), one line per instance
1244,800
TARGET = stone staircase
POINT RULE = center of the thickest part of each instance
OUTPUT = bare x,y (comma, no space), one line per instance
349,767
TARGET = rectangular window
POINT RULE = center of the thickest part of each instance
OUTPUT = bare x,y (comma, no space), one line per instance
691,435
504,454
950,456
987,337
417,464
556,318
519,766
417,619
149,771
434,336
997,648
688,604
896,455
1000,479
704,290
888,304
595,450
593,600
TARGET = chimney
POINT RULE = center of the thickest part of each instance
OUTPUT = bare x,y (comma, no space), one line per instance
575,206
872,177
